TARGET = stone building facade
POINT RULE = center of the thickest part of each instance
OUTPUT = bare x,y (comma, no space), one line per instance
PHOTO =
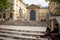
54,14
16,9
54,7
19,10
34,14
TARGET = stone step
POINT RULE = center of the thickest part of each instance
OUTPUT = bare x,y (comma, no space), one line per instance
6,38
21,32
25,33
17,36
23,28
24,23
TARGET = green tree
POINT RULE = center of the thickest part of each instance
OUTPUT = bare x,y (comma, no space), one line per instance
4,4
57,1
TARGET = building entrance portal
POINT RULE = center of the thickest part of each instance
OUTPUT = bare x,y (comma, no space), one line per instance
32,15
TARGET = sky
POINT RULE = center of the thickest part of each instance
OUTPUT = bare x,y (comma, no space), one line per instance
36,2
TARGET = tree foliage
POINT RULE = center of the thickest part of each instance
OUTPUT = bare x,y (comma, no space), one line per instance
4,4
57,1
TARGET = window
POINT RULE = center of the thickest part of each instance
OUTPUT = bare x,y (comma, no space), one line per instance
0,15
4,15
43,20
11,15
33,15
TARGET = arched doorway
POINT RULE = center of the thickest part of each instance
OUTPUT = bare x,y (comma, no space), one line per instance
4,15
32,15
0,16
11,15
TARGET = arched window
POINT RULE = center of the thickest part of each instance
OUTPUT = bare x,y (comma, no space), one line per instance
4,15
33,15
11,15
43,20
0,15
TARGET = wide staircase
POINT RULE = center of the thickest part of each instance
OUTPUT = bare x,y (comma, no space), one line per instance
21,32
24,23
